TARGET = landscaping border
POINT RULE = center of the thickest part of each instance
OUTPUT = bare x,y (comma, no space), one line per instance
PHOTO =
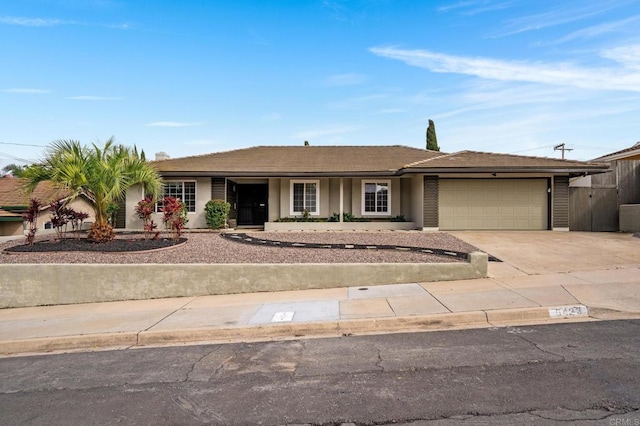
24,285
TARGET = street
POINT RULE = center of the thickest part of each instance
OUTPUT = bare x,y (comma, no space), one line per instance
582,373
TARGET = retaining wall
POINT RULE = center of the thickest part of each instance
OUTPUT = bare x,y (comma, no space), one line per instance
23,285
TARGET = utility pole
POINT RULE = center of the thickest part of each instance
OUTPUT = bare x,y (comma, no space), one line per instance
561,147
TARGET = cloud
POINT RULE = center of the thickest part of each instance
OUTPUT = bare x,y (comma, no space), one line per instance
172,124
27,91
349,79
565,13
470,8
94,98
33,22
563,74
51,22
629,56
600,29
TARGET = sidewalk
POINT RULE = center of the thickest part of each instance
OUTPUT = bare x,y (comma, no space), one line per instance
508,297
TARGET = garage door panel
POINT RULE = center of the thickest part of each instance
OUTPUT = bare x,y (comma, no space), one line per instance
493,204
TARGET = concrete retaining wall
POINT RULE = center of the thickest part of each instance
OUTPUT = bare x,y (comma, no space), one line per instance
23,285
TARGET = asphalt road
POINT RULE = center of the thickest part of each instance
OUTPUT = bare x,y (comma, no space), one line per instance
581,373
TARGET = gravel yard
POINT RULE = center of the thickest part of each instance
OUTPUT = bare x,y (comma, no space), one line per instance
210,247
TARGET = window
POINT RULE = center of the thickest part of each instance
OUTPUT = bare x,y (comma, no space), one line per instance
185,191
376,197
305,196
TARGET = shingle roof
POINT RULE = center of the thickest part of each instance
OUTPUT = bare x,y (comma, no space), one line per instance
12,193
485,161
631,153
357,160
287,160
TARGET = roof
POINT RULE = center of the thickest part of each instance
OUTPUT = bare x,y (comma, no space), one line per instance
296,160
13,194
360,161
474,161
631,153
6,216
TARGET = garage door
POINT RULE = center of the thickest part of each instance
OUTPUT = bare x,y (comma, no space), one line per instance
517,204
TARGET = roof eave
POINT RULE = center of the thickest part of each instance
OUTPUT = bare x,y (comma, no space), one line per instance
275,174
524,170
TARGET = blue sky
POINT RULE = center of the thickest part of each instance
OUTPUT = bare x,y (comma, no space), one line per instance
193,77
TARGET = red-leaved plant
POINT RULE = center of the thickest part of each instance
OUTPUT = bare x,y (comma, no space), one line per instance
145,209
174,216
31,217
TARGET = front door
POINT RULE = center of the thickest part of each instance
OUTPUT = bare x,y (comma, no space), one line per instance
252,204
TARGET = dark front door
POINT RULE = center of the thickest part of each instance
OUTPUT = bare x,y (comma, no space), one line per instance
252,203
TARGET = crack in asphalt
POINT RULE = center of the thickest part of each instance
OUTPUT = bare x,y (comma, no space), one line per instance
196,362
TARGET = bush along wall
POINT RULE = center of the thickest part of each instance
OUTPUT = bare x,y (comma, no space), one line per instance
216,213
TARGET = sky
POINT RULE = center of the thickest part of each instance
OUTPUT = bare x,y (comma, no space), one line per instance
193,77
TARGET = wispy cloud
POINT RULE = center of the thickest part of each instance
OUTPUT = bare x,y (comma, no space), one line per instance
600,29
172,124
629,56
624,78
53,22
476,7
349,79
358,101
566,12
27,91
94,98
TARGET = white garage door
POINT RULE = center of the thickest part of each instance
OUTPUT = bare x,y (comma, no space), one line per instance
516,204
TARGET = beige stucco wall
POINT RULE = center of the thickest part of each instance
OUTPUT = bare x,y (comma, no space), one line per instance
417,199
196,219
274,199
24,285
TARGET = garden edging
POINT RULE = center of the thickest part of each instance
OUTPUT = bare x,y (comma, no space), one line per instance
24,285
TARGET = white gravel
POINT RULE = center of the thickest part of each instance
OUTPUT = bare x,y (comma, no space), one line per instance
210,247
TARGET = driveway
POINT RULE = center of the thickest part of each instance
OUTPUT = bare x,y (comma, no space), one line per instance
541,252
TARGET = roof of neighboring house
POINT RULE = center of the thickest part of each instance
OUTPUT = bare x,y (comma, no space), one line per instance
288,160
358,160
6,216
631,153
13,194
474,161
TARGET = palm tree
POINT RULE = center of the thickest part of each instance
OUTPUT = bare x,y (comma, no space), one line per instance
103,174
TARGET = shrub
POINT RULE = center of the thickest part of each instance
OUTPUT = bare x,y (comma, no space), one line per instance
216,213
144,209
174,216
31,216
62,216
399,218
347,217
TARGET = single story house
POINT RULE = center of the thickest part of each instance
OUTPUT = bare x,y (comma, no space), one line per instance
14,201
391,187
597,200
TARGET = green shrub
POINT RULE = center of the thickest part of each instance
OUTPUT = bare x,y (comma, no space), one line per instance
216,213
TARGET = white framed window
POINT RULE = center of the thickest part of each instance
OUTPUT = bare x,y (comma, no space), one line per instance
305,196
185,191
376,197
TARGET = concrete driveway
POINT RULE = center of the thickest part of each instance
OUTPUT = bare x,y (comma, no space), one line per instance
542,252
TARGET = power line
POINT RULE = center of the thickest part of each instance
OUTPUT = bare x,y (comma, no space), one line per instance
12,157
22,144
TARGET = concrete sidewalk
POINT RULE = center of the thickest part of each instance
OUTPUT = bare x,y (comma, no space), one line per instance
510,296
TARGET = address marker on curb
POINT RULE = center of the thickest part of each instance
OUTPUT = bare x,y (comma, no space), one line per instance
282,316
568,311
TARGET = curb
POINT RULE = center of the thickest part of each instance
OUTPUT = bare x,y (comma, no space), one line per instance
288,331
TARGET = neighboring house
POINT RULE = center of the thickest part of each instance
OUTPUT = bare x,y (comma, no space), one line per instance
431,190
14,201
596,199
